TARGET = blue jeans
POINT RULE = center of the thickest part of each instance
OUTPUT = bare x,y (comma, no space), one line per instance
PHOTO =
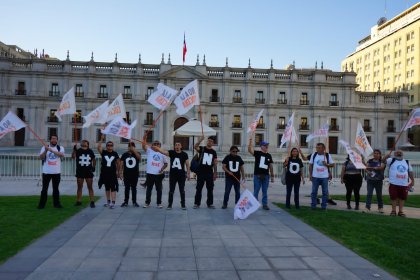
229,182
261,182
315,185
377,186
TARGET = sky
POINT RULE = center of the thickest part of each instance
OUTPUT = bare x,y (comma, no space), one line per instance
304,31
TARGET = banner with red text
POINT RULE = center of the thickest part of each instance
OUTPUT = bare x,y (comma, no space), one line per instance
98,115
118,127
289,131
361,142
67,105
253,125
10,123
247,204
117,108
187,98
355,158
162,97
320,133
414,119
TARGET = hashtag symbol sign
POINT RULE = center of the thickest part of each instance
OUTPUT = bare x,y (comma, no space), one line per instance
84,160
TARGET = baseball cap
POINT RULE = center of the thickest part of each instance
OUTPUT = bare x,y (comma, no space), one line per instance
264,143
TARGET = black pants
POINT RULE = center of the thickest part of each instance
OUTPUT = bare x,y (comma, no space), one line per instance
173,180
152,179
353,183
292,185
46,178
130,182
206,178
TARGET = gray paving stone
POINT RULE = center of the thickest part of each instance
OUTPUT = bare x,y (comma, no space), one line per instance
139,264
130,275
177,275
365,273
148,234
177,242
253,274
13,275
62,264
71,252
104,264
36,251
207,242
143,252
243,252
210,251
252,263
145,242
266,241
108,252
354,262
285,234
307,252
276,251
176,252
337,251
217,275
238,242
299,275
177,264
321,262
288,263
214,264
294,242
336,274
49,275
92,275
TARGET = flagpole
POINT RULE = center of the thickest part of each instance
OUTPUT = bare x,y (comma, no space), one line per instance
75,128
153,125
201,120
36,135
399,135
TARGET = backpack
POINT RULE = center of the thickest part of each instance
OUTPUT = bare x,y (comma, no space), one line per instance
394,159
43,160
327,157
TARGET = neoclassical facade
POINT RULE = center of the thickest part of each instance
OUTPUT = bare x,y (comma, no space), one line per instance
230,99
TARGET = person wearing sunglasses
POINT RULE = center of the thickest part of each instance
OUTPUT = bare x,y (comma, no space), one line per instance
110,167
130,169
233,165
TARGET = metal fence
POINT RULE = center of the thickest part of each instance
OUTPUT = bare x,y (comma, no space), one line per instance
17,167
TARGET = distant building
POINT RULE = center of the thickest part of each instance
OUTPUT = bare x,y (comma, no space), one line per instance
230,100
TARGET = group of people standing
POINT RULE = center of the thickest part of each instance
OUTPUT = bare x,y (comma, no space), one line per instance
127,169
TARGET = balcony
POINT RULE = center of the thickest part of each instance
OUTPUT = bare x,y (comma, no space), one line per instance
281,101
127,96
236,125
261,125
237,100
259,100
79,94
304,127
367,128
52,119
54,93
214,99
390,129
20,92
334,103
214,124
281,126
304,102
102,95
334,128
148,122
78,120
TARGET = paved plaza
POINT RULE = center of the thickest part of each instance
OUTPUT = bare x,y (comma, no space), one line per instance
152,243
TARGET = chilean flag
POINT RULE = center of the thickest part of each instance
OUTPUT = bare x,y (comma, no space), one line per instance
184,50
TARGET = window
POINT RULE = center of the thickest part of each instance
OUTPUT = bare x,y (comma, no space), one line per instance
99,136
76,134
149,138
259,137
260,97
279,136
304,123
366,126
303,142
390,142
214,121
21,89
78,116
216,139
127,92
54,90
333,99
391,126
237,121
333,125
282,98
79,90
103,92
304,99
214,95
52,131
282,123
127,117
149,118
236,139
261,123
150,90
237,96
20,113
52,117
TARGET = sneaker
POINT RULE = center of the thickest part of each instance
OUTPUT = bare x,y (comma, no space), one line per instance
169,207
92,204
381,210
125,204
146,205
183,207
159,206
112,206
196,206
106,205
366,210
265,207
224,206
135,204
348,206
331,202
211,207
78,203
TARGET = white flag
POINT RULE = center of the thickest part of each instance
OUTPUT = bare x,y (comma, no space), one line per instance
253,125
118,127
116,108
187,98
67,105
98,115
247,204
355,158
10,123
289,131
162,97
361,142
320,133
414,119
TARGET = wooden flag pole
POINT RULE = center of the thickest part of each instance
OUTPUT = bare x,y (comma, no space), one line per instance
36,135
399,135
153,125
75,129
201,121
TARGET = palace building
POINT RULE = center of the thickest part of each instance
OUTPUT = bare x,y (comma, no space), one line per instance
230,98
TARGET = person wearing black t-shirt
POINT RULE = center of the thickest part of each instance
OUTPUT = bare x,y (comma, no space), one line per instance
294,176
110,167
207,171
180,165
233,165
85,166
130,164
263,168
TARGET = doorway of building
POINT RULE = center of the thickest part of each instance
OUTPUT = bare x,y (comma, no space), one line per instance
185,141
332,144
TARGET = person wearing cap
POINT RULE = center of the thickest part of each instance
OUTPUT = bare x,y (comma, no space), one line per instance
156,164
400,171
263,169
130,170
207,171
233,165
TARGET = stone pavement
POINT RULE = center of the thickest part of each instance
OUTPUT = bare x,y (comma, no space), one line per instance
152,243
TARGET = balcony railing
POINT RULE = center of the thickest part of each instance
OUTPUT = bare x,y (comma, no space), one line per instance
367,128
334,128
259,100
148,122
304,102
261,125
79,94
20,92
127,95
390,128
214,99
236,125
281,126
52,119
214,124
334,103
102,95
281,101
54,93
78,120
237,100
304,127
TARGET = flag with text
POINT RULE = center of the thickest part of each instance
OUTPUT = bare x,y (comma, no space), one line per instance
187,98
98,115
118,127
10,123
361,142
117,108
67,105
162,97
247,204
253,125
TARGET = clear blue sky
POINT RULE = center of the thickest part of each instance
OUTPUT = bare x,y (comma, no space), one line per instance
302,30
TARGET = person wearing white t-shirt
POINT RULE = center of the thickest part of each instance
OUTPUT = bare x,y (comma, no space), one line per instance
51,171
400,171
156,164
318,174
